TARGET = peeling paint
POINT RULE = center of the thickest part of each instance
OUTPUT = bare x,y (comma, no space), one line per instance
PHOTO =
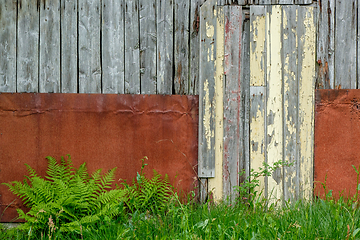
207,116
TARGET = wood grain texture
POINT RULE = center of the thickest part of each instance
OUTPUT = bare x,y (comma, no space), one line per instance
165,45
291,98
326,45
274,110
132,47
89,46
206,166
303,2
194,46
245,96
69,46
257,89
8,46
306,70
181,46
233,124
345,44
147,15
49,76
113,54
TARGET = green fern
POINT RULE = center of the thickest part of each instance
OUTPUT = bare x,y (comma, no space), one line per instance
69,198
152,195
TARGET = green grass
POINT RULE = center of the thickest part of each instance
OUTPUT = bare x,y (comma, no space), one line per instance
319,219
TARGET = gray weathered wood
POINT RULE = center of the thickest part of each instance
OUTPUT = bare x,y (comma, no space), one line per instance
245,96
325,45
194,46
89,46
265,2
181,46
148,46
132,47
8,46
69,46
28,46
203,190
49,76
286,1
206,165
303,2
113,64
165,21
291,104
345,44
233,124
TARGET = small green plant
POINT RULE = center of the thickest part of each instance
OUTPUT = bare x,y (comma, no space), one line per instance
148,195
357,170
68,199
248,190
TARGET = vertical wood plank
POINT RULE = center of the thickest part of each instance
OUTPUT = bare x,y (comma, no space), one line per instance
345,50
49,77
245,97
89,46
257,89
265,2
132,47
307,38
274,111
8,46
194,46
147,14
113,54
181,46
303,2
216,183
233,124
69,46
326,45
206,166
165,21
28,46
286,1
289,59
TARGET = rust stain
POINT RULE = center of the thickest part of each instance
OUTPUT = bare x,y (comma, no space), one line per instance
196,22
337,131
106,131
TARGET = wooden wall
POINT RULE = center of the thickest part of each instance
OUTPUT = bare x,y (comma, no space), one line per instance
257,97
99,46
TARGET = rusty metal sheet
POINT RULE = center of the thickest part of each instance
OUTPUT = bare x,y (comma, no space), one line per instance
337,147
106,131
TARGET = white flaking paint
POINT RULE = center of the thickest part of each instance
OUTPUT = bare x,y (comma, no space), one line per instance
207,116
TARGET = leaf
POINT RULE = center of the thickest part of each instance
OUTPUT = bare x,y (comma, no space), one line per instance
355,169
355,232
358,187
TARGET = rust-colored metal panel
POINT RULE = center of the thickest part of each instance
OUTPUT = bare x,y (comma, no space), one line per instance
106,131
337,147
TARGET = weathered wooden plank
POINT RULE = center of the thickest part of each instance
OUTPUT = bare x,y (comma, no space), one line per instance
113,34
233,124
306,78
181,46
286,2
194,46
326,45
49,76
303,2
8,46
290,95
165,46
345,50
216,183
206,166
274,110
257,89
28,46
245,96
132,47
147,14
264,2
69,46
89,46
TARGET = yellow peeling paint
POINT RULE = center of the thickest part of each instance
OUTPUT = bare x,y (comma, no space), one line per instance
257,51
274,99
306,104
209,30
216,184
207,116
